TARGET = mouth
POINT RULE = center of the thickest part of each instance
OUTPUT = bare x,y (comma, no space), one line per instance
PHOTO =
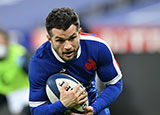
68,54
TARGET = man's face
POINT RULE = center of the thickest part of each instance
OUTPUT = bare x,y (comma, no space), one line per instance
65,43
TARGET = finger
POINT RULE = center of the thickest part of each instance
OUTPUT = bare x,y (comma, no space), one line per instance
83,95
81,91
76,88
82,101
64,86
83,98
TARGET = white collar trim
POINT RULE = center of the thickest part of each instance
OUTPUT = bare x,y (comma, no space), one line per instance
60,59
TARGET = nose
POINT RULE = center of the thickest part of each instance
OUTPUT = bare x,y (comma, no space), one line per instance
67,45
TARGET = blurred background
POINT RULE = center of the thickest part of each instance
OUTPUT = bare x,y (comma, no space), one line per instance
130,27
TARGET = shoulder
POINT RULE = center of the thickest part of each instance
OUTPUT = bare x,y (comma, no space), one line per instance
98,46
42,50
93,41
43,60
90,37
40,57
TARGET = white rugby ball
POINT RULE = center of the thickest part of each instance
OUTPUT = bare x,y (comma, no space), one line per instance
54,84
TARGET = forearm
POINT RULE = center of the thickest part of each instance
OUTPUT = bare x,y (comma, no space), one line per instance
51,109
107,97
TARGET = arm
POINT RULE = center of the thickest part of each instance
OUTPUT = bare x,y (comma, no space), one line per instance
109,73
68,99
105,99
38,100
48,109
107,96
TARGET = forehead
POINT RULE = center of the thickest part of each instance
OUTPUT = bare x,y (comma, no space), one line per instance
64,34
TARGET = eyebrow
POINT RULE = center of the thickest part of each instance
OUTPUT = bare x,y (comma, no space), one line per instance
58,37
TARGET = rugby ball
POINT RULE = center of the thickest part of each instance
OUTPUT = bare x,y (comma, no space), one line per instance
54,84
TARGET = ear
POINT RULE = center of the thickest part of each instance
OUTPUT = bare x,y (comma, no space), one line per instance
48,37
80,29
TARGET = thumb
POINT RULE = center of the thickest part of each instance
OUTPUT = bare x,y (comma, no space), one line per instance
89,109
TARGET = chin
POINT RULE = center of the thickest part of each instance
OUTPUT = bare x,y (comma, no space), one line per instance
68,59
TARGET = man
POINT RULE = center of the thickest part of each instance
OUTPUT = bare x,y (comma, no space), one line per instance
80,55
14,83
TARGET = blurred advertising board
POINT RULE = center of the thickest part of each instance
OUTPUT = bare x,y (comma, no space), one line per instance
130,39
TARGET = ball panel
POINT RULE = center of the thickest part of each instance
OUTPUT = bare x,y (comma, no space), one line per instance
53,86
61,81
52,97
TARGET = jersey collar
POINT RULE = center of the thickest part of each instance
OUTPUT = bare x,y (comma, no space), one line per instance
60,59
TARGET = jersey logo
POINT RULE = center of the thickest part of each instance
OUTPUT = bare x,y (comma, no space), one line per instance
90,65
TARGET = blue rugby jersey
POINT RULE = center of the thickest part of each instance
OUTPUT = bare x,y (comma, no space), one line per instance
94,56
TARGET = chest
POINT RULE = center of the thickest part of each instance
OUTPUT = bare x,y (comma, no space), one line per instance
83,69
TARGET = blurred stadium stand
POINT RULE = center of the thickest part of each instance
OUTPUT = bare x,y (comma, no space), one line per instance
25,14
140,67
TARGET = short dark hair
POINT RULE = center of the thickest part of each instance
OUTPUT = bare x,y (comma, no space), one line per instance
61,18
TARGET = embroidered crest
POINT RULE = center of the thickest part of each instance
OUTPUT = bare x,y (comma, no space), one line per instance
90,65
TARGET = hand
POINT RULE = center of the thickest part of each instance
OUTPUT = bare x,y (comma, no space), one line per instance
89,111
73,97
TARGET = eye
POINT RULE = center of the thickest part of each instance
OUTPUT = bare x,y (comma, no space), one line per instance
60,41
73,37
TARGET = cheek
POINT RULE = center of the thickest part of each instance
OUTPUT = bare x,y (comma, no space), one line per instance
58,47
76,43
55,46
